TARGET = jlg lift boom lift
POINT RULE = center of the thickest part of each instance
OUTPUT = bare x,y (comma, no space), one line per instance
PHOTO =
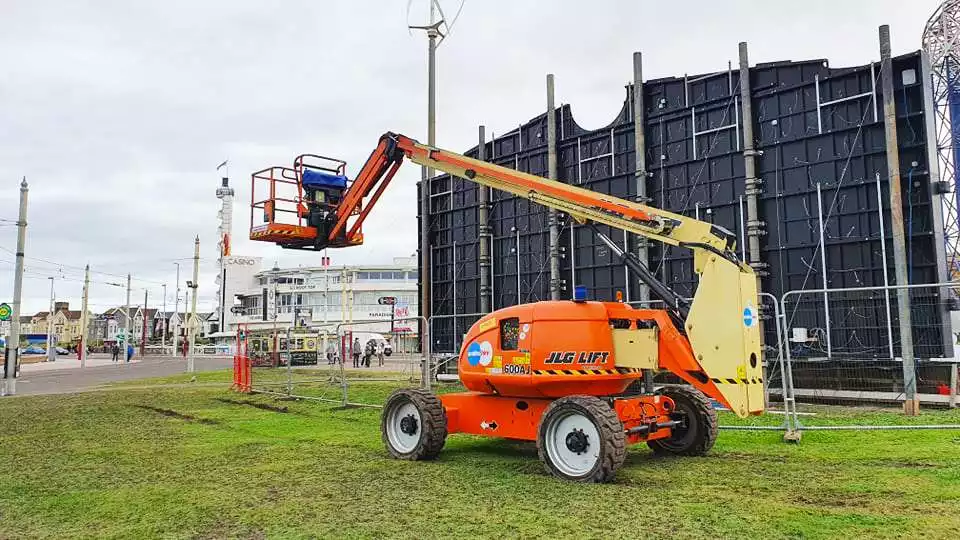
554,372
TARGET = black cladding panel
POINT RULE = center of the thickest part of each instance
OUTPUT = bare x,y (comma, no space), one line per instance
695,165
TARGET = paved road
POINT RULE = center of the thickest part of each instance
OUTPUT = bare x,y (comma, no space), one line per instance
52,379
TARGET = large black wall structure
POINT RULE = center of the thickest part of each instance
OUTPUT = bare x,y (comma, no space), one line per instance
812,125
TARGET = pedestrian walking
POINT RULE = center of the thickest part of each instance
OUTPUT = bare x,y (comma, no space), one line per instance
115,350
356,352
380,348
129,353
331,359
368,351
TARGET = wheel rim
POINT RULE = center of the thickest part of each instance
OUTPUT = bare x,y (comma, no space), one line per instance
404,426
573,443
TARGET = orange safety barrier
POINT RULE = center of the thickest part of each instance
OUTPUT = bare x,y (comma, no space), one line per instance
242,366
242,374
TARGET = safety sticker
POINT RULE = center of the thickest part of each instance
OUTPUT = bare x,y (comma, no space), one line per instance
749,316
473,354
487,324
486,353
516,369
497,361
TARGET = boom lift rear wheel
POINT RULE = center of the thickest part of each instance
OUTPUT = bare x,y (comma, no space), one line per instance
697,432
413,425
581,439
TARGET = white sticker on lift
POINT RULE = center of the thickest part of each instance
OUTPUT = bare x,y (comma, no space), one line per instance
526,328
486,353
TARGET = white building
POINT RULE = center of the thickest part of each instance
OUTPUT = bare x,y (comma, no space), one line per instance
325,297
237,280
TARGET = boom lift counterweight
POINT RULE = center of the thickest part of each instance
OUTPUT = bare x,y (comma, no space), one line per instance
557,371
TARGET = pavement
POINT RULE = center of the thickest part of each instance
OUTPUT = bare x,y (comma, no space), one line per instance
66,376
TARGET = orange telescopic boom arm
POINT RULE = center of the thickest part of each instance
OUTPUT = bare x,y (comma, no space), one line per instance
583,205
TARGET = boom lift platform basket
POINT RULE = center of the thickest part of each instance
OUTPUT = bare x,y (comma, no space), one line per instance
296,206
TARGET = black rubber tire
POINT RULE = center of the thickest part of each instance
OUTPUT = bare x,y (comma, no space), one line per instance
613,443
700,432
433,427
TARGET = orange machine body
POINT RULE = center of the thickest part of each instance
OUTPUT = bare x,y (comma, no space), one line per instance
516,360
553,349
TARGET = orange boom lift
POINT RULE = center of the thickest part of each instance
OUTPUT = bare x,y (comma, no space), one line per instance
555,372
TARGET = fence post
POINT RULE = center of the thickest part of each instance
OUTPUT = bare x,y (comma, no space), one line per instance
793,433
248,374
953,384
289,358
427,348
780,347
343,361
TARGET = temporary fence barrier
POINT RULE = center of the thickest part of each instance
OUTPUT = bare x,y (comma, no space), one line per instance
806,365
843,347
328,377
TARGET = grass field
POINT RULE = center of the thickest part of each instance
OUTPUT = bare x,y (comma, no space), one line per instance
203,462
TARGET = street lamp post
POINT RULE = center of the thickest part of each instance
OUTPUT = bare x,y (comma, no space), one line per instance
163,317
176,311
51,353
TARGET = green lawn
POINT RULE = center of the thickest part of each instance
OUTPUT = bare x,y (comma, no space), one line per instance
192,462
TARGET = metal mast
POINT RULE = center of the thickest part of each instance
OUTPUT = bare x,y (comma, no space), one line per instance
941,44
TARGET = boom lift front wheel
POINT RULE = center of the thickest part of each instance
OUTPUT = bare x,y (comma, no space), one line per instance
581,438
413,425
698,428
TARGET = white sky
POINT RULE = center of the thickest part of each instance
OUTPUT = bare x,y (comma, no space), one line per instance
119,111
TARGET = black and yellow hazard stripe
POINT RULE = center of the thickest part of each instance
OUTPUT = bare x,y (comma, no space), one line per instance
615,371
755,380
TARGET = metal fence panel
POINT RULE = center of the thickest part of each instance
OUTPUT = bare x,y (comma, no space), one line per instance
842,347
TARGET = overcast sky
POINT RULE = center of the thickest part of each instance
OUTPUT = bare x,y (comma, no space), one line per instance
118,112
